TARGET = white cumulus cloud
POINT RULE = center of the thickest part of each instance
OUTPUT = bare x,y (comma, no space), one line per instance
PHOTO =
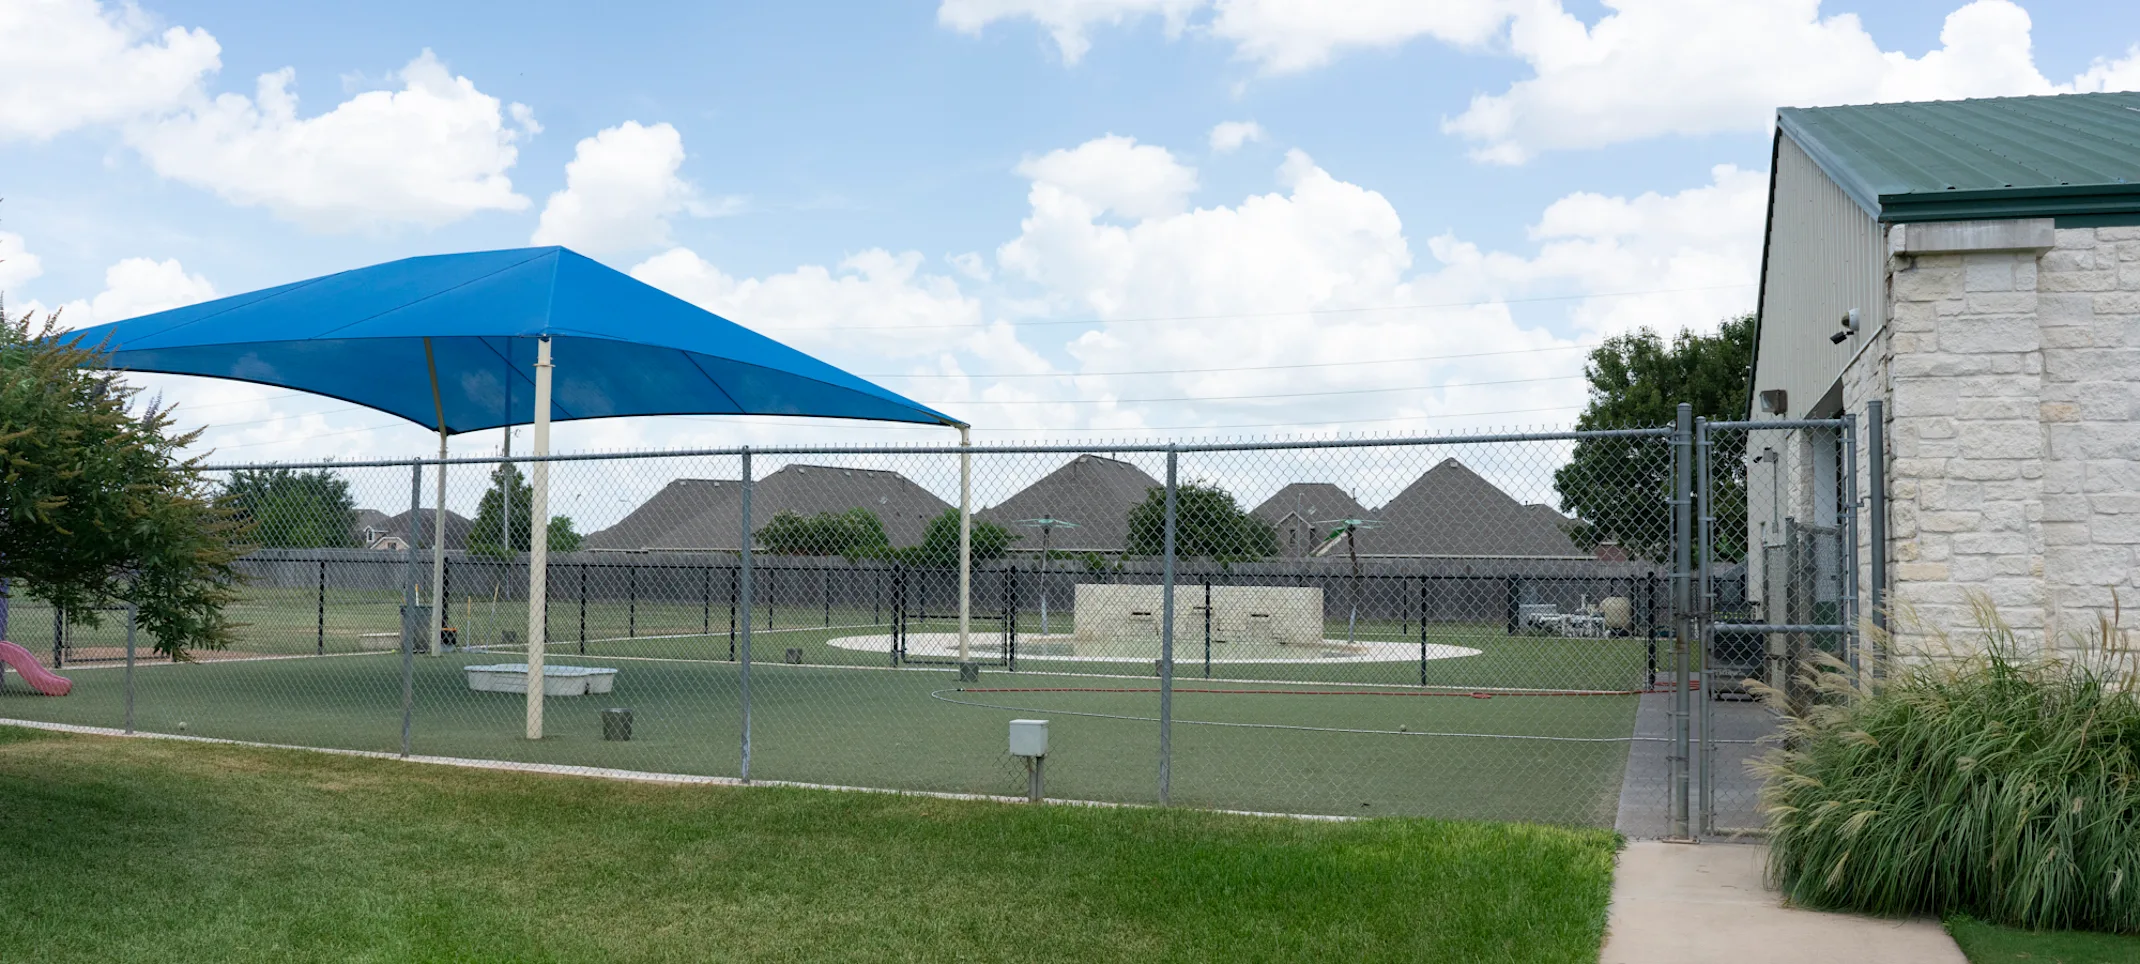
1068,22
17,264
1114,174
433,152
1656,67
621,189
67,64
1229,136
137,286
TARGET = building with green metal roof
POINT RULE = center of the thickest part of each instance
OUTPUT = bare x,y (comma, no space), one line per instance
1970,269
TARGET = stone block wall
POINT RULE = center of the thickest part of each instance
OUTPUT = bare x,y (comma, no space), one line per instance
2012,381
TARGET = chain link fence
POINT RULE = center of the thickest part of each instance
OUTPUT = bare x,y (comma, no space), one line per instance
1473,627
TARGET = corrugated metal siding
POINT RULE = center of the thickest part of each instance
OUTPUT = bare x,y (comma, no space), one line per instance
1825,256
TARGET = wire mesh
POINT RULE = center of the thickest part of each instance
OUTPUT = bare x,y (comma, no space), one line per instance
1474,627
1779,549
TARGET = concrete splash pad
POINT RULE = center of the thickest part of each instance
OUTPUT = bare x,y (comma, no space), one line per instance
1068,649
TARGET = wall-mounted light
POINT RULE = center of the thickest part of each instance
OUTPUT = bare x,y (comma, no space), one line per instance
1850,327
1775,401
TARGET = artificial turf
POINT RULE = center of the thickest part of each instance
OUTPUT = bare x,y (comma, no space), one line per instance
146,850
1352,738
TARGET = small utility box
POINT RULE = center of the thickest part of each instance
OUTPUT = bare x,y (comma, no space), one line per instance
1029,739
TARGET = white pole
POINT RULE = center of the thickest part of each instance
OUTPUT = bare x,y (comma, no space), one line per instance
965,539
438,549
538,538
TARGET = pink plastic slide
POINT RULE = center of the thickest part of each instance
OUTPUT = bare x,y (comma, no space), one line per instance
41,679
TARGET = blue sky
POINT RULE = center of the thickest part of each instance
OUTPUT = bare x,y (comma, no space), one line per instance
943,173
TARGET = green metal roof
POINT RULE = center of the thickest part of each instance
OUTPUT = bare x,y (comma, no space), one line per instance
2003,157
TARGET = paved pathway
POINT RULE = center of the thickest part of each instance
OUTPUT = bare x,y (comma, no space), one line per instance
1674,903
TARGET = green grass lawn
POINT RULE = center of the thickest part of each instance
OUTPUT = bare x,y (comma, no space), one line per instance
139,850
1992,944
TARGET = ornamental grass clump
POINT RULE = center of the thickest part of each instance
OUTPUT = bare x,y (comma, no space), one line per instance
1985,780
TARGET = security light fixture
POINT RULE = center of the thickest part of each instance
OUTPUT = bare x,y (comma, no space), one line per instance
1775,401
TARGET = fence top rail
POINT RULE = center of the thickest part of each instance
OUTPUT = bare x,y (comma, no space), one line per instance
989,449
1782,424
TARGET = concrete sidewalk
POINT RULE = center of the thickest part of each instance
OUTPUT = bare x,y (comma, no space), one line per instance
1674,903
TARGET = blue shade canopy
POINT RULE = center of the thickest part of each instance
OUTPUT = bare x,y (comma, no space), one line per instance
620,346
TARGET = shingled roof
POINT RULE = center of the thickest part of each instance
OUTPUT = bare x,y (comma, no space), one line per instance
457,528
1295,510
707,513
1093,491
1452,511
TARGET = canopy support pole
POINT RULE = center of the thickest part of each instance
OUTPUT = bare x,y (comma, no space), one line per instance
538,539
438,515
965,541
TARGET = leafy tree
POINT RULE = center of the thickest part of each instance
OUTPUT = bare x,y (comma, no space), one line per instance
1620,489
293,510
99,508
856,533
483,535
939,546
1207,523
488,536
562,537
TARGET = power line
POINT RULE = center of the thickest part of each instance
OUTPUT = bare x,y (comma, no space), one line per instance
1264,314
1242,368
1237,398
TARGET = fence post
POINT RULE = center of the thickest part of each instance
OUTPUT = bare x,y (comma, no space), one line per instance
631,601
583,607
1207,625
1704,613
1848,471
1166,641
1422,630
1682,566
408,607
132,612
744,590
320,646
1876,520
705,600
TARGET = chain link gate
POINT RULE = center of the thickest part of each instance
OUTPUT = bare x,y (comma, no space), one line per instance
1775,581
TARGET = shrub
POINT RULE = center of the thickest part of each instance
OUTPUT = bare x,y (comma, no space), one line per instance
1991,782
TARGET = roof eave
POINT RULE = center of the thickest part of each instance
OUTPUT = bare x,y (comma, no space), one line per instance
2000,204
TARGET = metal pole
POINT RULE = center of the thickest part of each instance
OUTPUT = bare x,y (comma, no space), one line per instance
631,601
1682,566
1045,532
583,607
965,540
1876,516
744,591
705,600
824,589
408,609
1207,625
1166,643
438,515
438,537
538,542
1704,606
320,644
132,612
1422,630
1849,470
